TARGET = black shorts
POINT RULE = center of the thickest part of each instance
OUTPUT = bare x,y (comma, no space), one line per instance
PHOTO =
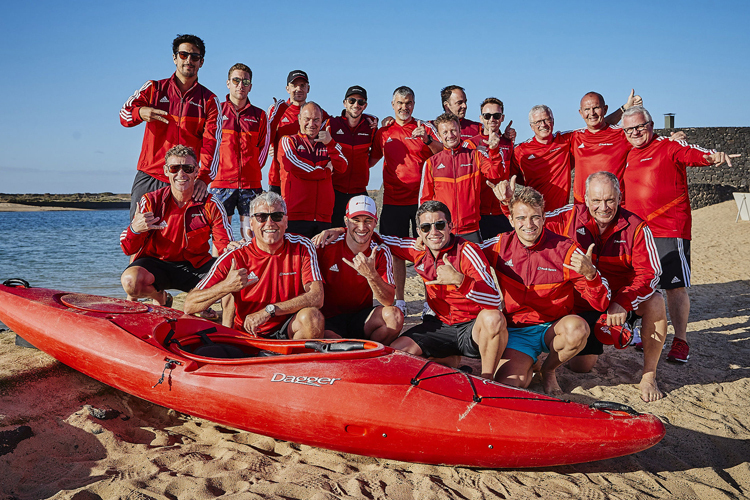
593,345
142,184
351,325
307,228
438,340
674,254
275,189
339,206
395,220
173,275
475,237
492,225
281,333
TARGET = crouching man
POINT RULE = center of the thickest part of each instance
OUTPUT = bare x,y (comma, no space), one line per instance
274,278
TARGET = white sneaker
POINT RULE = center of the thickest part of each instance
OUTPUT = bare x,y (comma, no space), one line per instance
427,311
401,304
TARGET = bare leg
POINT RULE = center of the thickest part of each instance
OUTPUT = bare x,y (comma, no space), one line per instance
308,323
515,369
565,338
490,332
139,283
583,364
399,276
678,302
384,324
406,344
653,334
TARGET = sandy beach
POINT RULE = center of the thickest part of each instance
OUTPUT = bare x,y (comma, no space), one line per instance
150,452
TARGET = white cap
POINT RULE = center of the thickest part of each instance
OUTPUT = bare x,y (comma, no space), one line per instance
361,205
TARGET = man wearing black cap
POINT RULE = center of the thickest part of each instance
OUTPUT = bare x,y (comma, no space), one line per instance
354,131
282,116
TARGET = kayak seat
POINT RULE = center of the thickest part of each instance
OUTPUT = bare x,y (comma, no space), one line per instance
224,351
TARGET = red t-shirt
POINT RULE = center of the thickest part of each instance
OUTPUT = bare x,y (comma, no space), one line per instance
605,150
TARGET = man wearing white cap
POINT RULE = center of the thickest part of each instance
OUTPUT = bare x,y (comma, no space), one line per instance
355,270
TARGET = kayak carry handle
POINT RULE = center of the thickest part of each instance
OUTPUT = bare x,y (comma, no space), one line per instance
334,346
16,282
609,406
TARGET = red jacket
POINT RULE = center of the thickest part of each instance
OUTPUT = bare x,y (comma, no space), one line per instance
489,204
455,177
605,150
546,168
307,189
187,233
536,287
355,144
194,121
244,147
452,304
283,117
625,254
657,187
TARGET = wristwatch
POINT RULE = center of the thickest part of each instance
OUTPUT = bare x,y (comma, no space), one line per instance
271,309
428,142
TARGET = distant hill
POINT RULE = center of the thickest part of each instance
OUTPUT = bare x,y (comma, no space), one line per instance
96,201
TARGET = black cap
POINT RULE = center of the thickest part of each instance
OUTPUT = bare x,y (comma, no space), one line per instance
356,90
297,73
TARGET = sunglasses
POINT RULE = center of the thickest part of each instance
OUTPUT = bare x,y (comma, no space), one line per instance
439,225
244,81
188,169
488,116
352,100
192,55
262,217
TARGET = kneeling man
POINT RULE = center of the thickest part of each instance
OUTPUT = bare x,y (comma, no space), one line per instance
169,234
539,272
274,278
355,269
460,290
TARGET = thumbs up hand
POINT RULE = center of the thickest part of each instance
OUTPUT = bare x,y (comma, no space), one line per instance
447,275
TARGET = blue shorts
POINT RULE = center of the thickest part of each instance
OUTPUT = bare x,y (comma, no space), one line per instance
235,198
529,339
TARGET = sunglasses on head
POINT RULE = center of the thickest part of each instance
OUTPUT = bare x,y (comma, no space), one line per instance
496,116
352,100
244,81
262,217
439,225
192,55
188,169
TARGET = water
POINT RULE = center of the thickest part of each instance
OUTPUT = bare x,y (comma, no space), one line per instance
75,251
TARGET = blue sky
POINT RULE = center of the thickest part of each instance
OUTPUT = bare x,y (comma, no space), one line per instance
70,66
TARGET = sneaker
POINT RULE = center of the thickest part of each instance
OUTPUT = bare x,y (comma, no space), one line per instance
401,304
680,352
427,311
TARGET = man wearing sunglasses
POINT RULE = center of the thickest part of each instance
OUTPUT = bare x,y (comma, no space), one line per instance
356,270
176,110
244,146
274,278
354,131
283,119
539,273
468,320
492,219
454,176
169,234
308,158
656,188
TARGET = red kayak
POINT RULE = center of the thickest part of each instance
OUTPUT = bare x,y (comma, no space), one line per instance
350,396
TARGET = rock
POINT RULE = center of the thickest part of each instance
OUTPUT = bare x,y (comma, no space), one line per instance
102,414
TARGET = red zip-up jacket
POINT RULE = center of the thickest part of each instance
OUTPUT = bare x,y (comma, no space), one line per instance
536,287
307,189
452,304
283,117
194,121
200,221
657,187
244,147
489,204
625,254
356,144
605,150
455,177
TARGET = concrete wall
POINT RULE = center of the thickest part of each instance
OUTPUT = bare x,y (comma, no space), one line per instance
711,185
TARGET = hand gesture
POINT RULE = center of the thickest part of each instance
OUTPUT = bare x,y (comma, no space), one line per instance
419,242
236,279
372,121
493,141
255,320
387,121
365,266
324,136
447,275
633,100
678,136
504,190
271,152
616,314
146,221
327,237
583,264
720,157
510,132
149,114
420,131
